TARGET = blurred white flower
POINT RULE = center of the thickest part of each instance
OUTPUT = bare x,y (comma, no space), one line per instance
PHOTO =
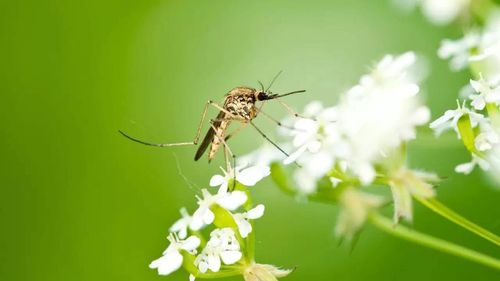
449,119
459,51
480,49
222,245
172,258
494,160
486,140
180,226
466,168
355,208
438,12
247,176
311,134
405,184
372,118
380,113
486,58
241,219
264,272
204,216
486,94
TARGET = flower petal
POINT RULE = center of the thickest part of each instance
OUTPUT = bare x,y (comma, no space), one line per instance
168,263
256,212
244,226
230,257
233,200
251,175
217,180
213,263
191,243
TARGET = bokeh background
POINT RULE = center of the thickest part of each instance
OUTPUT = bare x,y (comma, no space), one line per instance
80,202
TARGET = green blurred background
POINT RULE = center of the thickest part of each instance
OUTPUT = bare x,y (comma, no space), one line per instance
80,202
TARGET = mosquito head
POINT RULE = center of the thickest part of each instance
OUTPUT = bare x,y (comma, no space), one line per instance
262,96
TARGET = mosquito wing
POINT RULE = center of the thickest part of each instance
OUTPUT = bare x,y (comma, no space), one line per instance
207,140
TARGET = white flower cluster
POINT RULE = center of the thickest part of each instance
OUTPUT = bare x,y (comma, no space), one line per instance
484,120
479,49
223,247
439,12
372,119
359,139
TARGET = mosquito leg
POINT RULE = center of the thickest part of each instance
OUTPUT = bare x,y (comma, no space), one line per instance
268,139
194,142
231,169
156,144
278,122
293,112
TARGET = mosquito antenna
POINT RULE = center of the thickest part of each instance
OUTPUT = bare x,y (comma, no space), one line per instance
272,81
287,94
261,86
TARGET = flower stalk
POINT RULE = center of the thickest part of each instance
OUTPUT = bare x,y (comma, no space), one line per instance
441,245
442,210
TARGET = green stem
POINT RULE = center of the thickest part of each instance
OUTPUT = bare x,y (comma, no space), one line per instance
450,215
403,232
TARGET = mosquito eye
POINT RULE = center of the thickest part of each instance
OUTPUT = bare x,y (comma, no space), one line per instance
262,96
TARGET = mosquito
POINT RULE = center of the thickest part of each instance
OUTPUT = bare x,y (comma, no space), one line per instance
240,105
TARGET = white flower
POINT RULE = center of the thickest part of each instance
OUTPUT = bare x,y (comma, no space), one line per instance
372,119
380,113
247,176
486,58
172,258
481,50
450,118
486,140
241,219
494,161
204,216
466,168
180,226
355,208
459,51
221,246
486,94
312,134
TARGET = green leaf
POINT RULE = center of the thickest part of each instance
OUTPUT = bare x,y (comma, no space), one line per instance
223,217
493,113
467,133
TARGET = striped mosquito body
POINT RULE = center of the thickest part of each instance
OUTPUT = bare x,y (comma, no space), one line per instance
239,105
